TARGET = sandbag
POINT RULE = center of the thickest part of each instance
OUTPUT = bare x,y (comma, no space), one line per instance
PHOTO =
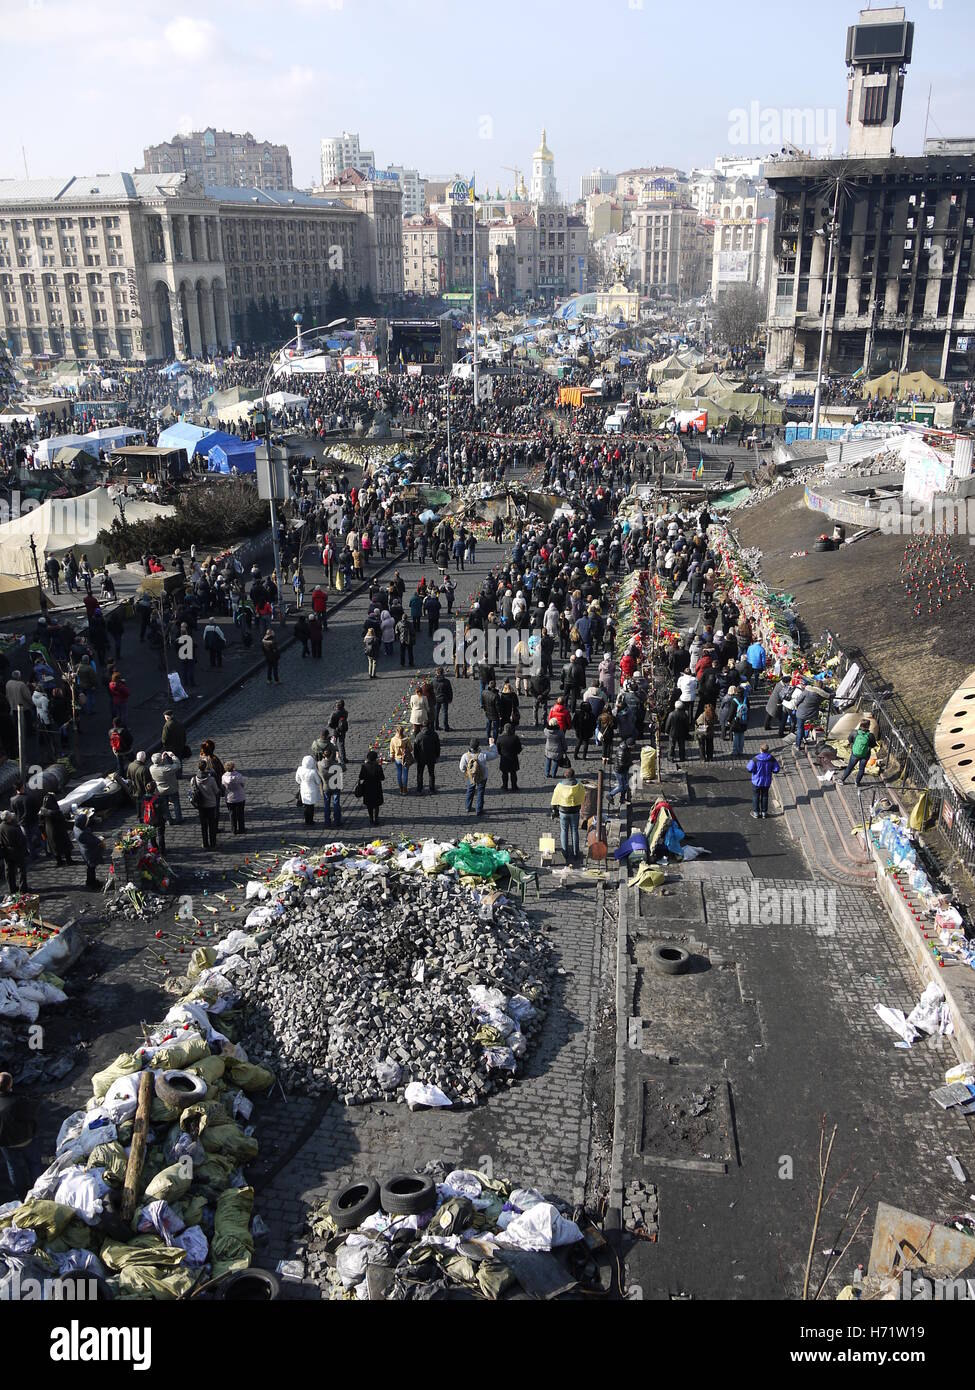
40,1214
233,1245
211,1069
168,1185
177,1055
124,1065
248,1075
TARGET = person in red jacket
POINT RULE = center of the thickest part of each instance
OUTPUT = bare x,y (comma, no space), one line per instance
119,692
560,714
627,664
319,605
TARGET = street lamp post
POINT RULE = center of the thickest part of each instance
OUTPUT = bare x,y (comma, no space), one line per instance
817,403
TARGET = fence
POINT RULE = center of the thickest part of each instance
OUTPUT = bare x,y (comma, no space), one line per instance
905,741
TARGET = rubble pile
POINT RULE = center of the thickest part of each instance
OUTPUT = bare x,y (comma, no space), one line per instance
392,984
439,1234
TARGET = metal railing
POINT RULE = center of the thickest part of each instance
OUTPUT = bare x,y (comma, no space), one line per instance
907,754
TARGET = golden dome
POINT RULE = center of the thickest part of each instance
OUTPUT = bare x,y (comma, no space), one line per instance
543,151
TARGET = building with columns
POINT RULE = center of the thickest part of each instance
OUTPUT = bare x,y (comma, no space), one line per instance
143,268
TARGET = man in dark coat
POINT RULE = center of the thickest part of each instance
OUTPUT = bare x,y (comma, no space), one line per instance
426,751
13,848
509,748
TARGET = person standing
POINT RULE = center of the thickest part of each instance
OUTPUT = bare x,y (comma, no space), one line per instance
92,848
555,748
205,798
763,768
567,799
401,752
330,770
370,785
315,636
272,655
338,722
56,830
406,636
370,645
18,1126
704,726
509,751
426,749
214,642
119,692
473,766
676,727
165,769
311,789
15,852
234,793
443,694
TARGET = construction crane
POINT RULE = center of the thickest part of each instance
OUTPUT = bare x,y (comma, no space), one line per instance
510,169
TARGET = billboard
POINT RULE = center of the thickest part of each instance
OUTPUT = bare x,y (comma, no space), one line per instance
733,267
360,364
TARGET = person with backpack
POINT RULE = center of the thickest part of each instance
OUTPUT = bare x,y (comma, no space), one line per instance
763,768
205,800
214,642
120,741
862,743
473,766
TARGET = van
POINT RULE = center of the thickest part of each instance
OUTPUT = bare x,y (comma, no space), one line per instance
616,421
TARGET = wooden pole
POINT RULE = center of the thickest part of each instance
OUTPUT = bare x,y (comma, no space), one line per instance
137,1152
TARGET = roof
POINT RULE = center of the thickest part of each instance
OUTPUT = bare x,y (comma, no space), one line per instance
143,451
80,188
784,171
270,197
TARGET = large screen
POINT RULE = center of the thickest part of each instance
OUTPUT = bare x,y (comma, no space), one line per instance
881,43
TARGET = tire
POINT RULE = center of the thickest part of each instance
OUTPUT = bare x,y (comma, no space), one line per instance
250,1286
179,1089
408,1194
823,546
353,1203
669,960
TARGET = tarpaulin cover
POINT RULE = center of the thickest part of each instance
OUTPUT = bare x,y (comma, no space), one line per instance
224,458
477,861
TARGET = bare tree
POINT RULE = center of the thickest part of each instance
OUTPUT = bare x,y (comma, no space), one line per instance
738,314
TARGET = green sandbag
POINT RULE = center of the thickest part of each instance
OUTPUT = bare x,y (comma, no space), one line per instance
489,1037
124,1065
190,1210
248,1075
136,1282
195,1118
142,1252
477,861
232,1245
213,1176
160,1114
229,1140
75,1236
171,1183
177,1055
211,1069
494,1278
203,958
39,1214
112,1158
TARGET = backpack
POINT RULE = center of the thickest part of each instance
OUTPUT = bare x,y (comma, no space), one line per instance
475,773
194,794
862,743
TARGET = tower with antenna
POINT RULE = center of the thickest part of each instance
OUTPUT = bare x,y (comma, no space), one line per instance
878,51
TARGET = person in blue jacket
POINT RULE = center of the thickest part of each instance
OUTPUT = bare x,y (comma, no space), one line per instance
763,768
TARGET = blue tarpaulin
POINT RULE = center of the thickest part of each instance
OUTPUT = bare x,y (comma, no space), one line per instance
223,458
196,440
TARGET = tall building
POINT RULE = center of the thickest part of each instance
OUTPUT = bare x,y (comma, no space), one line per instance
223,159
902,293
743,220
599,181
341,152
425,254
380,202
414,189
669,249
543,186
142,267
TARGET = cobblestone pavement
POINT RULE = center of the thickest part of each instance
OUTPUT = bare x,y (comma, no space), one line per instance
779,1017
536,1131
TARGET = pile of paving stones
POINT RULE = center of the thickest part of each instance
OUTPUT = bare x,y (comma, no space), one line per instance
372,983
640,1209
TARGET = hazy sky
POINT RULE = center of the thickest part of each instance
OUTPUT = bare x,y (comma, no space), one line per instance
452,85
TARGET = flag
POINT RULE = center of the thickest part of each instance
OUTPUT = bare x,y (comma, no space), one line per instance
471,194
700,468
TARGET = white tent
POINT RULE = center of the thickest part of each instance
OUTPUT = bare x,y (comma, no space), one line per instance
47,449
284,400
61,524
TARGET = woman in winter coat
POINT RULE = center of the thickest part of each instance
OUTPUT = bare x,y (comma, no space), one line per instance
56,830
401,752
388,631
554,748
233,790
311,791
607,677
584,727
370,785
421,712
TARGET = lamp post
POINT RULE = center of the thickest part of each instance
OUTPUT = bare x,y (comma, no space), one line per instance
296,341
827,287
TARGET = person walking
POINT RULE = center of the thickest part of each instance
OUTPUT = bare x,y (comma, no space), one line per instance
315,636
704,727
311,789
421,711
677,727
763,768
426,749
205,800
567,799
401,753
272,655
862,743
214,642
234,792
369,787
509,751
555,748
739,724
119,692
406,636
338,722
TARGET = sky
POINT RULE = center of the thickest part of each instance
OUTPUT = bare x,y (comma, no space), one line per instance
457,86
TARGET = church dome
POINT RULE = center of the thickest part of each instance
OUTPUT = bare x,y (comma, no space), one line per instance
543,151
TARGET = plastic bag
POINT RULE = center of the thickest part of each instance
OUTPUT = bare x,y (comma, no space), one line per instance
541,1227
389,1075
418,1094
83,1192
476,861
122,1098
195,1243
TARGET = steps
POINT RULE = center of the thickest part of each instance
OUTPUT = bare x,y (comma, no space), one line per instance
821,818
